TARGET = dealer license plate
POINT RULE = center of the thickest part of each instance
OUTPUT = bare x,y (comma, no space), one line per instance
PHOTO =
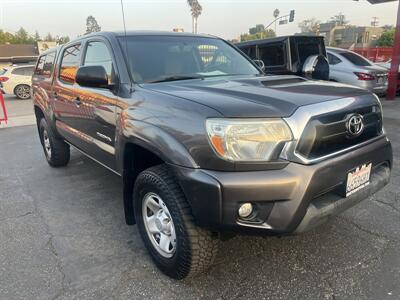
358,179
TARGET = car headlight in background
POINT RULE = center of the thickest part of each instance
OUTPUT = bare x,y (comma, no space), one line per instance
247,139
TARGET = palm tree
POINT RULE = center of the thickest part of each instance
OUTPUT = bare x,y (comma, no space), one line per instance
196,10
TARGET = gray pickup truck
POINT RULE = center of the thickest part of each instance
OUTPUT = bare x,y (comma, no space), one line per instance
205,143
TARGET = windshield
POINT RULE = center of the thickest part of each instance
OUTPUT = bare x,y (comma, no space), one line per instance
356,59
167,58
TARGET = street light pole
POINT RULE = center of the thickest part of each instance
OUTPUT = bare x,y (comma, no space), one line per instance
276,15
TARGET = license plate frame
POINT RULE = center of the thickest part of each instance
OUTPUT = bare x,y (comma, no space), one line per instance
358,178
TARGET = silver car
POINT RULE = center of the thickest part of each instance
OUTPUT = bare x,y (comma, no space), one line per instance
351,68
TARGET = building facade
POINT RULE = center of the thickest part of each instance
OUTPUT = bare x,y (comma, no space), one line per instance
350,36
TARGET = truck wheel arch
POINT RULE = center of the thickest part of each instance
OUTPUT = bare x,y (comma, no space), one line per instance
135,157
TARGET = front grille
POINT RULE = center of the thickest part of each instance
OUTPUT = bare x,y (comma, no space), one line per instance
327,134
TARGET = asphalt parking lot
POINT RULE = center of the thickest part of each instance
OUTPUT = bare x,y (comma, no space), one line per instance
62,236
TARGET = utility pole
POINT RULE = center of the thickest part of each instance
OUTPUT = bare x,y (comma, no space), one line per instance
375,22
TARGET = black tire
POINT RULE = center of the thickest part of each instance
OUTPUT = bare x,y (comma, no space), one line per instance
22,91
196,247
57,152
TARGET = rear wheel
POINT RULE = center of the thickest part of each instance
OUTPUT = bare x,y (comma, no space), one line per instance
22,91
57,152
178,247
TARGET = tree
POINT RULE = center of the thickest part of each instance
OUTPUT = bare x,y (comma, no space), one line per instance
387,39
258,28
256,33
36,37
21,36
309,26
49,38
92,25
196,10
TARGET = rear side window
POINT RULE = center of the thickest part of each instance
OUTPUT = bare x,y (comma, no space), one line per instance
333,60
273,55
356,59
97,54
45,65
49,64
2,71
70,64
24,71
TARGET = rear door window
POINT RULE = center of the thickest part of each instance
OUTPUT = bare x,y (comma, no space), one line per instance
40,64
273,55
356,59
49,64
70,64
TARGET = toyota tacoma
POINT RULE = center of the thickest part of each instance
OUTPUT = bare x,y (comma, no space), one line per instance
206,144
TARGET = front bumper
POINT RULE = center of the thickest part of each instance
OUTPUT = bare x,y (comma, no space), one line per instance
290,200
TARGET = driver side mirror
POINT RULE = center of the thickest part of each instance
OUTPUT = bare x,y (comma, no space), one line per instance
92,76
260,64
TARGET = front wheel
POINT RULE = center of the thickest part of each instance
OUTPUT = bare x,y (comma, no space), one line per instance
178,247
22,91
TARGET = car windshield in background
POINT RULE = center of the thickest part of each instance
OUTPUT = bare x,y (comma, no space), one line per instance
356,59
169,58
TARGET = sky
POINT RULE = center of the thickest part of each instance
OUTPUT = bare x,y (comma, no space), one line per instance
223,18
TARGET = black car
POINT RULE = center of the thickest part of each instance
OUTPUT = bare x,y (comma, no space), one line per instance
291,55
205,143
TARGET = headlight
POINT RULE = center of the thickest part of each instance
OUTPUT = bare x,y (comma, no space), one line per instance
247,139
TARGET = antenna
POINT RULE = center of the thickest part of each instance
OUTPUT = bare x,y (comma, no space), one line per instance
126,42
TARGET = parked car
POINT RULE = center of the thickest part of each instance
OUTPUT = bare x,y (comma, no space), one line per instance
290,55
17,80
205,143
351,68
385,64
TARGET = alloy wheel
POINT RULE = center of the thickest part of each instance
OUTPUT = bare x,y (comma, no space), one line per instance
159,225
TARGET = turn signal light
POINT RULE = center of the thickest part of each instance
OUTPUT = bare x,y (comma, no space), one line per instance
364,76
3,78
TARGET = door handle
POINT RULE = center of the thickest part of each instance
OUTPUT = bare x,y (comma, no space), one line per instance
77,101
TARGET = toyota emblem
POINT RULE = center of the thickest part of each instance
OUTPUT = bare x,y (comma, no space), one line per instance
355,125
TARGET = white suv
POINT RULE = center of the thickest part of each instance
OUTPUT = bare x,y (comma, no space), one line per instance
17,80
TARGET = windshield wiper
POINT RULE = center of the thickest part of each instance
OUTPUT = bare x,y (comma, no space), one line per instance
176,78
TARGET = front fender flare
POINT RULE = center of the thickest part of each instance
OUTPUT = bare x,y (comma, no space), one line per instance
154,139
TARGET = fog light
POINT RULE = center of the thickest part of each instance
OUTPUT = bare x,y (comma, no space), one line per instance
245,210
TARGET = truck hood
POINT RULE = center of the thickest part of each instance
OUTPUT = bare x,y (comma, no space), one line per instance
252,97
